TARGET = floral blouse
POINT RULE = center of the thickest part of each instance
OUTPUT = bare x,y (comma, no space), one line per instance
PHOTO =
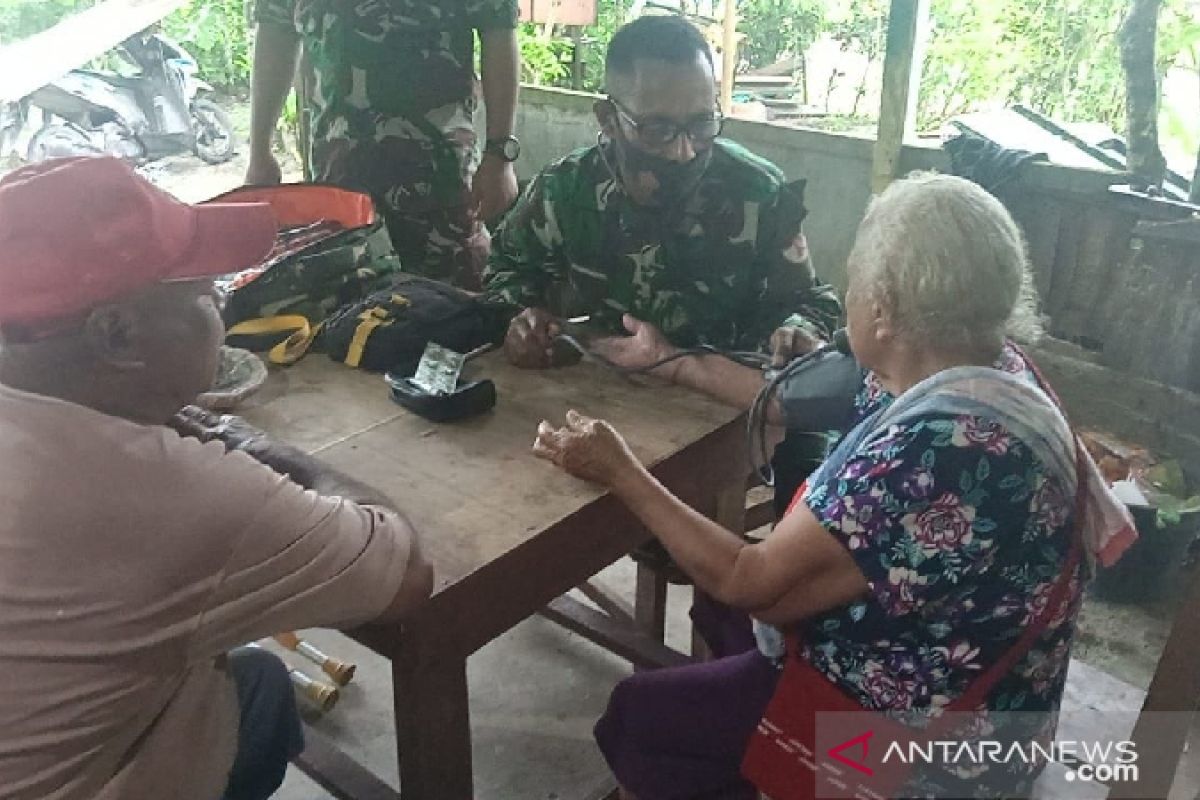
961,534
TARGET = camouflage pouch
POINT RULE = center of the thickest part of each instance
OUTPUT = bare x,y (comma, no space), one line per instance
333,250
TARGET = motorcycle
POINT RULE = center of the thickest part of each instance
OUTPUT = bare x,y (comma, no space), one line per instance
155,111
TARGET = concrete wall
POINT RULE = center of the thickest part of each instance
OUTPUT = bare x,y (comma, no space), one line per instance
552,122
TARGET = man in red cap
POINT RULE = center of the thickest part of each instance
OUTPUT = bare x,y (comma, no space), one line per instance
141,543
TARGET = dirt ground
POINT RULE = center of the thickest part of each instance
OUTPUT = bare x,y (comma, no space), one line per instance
190,179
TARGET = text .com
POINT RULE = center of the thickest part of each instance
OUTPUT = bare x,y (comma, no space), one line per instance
1101,762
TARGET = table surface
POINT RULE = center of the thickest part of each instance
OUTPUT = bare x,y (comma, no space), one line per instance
474,488
507,532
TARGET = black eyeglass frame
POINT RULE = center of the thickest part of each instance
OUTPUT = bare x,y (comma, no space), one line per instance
640,127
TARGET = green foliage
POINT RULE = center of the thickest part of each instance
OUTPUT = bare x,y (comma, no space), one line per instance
778,29
548,56
1058,56
216,33
22,18
544,61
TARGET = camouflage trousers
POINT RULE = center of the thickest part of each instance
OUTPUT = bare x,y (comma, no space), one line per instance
449,245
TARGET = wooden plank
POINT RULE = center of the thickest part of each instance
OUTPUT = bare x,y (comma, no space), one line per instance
337,773
30,64
1162,726
1179,232
728,54
901,80
433,728
613,635
559,12
610,604
1041,219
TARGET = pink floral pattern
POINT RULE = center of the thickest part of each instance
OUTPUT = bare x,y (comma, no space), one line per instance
945,524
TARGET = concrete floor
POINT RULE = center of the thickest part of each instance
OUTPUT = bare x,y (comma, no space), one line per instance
536,692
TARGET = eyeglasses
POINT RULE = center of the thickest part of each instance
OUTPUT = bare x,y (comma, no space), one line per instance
661,132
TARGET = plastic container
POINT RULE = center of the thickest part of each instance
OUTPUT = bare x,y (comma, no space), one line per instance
1151,569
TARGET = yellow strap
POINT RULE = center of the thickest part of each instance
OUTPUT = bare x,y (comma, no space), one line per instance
372,318
291,349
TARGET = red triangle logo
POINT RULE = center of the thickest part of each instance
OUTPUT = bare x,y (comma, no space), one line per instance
860,741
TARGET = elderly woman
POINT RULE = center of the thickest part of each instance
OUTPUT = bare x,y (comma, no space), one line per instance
949,520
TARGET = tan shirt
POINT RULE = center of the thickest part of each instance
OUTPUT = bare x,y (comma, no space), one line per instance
130,559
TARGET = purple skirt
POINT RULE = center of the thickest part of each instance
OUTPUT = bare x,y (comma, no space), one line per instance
681,733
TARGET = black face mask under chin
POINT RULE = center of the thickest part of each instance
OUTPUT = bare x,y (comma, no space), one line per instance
675,181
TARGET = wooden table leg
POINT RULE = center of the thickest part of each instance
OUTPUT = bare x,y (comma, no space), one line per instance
730,513
433,726
650,606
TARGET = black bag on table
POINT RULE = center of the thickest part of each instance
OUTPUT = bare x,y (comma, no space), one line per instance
388,331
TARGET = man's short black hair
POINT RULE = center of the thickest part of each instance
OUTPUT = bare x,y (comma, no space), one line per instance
662,37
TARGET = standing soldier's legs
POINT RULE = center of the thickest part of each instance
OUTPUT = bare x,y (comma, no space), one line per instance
445,244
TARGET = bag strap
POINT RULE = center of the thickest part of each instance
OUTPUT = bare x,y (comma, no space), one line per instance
291,349
978,691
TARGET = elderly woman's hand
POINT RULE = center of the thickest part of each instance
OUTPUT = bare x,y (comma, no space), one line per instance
644,346
587,448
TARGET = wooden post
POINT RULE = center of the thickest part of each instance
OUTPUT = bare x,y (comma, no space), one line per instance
728,55
577,57
901,80
1161,732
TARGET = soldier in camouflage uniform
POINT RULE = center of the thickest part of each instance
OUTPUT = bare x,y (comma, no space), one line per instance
660,221
392,96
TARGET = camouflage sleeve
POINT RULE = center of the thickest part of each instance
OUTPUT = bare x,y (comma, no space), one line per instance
524,262
792,294
487,15
275,12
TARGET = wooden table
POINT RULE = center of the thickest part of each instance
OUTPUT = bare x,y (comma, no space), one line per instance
508,533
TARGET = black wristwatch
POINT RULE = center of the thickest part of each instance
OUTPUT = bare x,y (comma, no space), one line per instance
507,148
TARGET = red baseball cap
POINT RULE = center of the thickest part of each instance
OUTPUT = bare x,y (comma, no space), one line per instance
76,233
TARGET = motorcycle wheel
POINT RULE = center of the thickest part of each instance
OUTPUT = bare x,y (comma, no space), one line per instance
213,132
55,140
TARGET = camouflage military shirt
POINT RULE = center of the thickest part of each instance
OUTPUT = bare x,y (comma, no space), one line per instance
726,269
394,92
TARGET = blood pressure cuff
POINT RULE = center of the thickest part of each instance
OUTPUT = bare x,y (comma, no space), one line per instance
817,394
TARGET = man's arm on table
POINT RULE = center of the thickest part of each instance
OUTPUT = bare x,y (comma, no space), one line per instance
311,473
276,45
313,550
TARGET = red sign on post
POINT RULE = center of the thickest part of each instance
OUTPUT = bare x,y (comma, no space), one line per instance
559,12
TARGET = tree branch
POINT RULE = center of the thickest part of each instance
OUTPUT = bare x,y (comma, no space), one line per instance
1146,164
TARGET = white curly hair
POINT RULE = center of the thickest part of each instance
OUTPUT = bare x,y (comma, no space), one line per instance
947,259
